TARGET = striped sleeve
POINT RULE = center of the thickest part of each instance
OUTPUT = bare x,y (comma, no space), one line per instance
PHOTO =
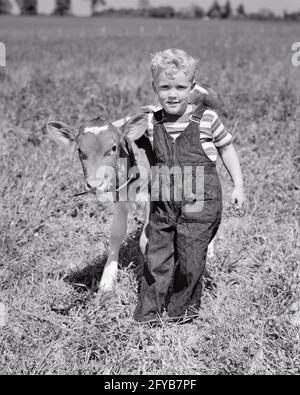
221,137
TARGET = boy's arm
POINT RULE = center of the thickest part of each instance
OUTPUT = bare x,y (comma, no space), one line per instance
232,164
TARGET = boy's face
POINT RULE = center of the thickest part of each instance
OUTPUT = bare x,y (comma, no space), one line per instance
173,91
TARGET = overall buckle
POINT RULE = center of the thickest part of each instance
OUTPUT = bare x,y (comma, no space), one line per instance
194,118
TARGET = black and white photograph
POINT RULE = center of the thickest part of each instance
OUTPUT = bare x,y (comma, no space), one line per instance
149,190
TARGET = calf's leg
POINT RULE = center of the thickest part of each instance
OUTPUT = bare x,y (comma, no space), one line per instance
144,237
211,249
118,234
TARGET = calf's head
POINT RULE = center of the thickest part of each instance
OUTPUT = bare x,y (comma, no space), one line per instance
100,145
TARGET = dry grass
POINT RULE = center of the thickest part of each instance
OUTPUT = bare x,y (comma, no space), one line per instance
53,247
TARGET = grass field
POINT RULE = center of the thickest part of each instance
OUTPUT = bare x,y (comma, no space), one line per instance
53,247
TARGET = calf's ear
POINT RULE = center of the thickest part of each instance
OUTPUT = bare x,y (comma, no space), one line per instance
115,130
208,97
136,126
63,134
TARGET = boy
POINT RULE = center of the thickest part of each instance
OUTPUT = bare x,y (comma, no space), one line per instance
181,230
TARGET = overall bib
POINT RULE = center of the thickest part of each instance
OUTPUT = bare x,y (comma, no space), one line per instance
180,228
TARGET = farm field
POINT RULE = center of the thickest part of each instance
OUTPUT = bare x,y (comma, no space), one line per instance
53,247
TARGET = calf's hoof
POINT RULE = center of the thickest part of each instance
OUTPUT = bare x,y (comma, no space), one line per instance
109,278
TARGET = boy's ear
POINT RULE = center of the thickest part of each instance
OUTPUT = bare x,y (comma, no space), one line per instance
136,126
63,134
154,87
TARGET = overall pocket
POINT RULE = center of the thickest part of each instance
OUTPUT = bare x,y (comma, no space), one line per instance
208,207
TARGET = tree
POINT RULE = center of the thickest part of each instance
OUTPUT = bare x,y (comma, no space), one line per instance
162,12
193,11
144,4
28,7
215,10
241,10
94,4
5,6
293,16
62,7
226,10
198,11
262,15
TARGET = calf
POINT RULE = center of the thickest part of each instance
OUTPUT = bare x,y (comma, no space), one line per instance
104,147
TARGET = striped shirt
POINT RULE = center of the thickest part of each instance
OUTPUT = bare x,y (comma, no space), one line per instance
212,132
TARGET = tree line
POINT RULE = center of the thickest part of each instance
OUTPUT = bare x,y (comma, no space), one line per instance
29,7
144,9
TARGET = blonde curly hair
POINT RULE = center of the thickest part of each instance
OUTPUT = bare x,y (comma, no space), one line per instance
172,61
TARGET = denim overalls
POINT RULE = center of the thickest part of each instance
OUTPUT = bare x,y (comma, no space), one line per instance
179,230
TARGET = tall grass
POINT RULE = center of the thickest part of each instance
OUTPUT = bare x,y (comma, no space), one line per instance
53,247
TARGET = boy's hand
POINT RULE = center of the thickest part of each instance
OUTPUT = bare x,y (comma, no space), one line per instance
238,197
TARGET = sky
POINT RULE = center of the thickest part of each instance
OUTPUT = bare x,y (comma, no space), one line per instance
277,6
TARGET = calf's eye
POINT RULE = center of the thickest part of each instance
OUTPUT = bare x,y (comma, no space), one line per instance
112,150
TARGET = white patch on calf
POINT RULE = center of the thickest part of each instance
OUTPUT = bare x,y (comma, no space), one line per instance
98,129
95,129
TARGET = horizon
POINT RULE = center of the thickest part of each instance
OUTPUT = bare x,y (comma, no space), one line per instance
276,6
250,6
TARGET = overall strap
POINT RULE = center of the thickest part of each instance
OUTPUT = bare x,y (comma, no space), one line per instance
198,113
158,116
